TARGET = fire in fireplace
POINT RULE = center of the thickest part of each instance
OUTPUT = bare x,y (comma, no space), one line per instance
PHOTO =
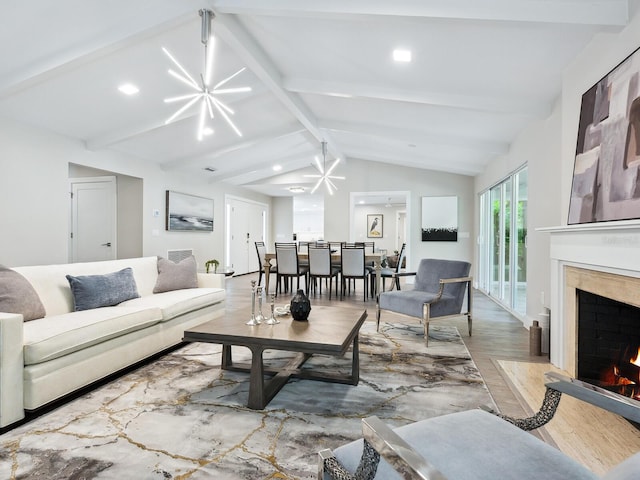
609,344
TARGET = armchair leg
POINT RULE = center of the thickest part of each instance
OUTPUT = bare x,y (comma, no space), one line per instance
378,314
542,416
366,470
426,315
469,322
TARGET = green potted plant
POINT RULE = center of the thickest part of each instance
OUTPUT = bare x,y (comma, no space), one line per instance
213,262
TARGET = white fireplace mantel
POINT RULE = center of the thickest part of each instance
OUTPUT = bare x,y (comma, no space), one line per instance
611,247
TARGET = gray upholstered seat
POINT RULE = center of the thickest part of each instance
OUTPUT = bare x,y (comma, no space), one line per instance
438,293
475,444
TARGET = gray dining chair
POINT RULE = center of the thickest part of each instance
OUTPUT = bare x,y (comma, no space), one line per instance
438,293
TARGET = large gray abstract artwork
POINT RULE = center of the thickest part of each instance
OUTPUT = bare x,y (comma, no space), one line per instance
606,181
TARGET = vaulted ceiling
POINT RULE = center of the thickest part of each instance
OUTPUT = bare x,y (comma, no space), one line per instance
481,71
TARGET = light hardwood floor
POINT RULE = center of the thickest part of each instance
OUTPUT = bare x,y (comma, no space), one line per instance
500,348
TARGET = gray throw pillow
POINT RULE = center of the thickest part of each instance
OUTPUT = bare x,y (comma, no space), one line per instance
176,276
18,296
94,291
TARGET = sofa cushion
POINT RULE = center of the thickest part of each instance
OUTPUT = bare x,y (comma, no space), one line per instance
178,302
95,291
52,337
18,296
52,286
175,276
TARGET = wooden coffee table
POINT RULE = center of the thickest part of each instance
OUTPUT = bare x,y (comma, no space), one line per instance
329,331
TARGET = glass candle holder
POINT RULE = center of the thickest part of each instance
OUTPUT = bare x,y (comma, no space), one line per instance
259,316
252,320
272,320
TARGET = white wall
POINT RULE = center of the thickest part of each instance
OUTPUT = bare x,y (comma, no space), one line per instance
34,198
282,221
364,176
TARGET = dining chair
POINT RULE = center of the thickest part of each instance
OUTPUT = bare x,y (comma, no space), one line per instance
288,266
320,268
393,272
261,250
303,247
353,267
370,247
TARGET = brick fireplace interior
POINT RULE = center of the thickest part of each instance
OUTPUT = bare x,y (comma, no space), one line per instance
602,311
608,341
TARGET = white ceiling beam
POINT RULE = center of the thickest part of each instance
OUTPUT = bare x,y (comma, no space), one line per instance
252,54
271,136
517,105
288,164
73,58
116,136
586,12
418,137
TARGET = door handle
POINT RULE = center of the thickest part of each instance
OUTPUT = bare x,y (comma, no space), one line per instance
108,244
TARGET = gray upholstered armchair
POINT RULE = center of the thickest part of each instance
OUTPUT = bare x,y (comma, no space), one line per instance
475,444
438,293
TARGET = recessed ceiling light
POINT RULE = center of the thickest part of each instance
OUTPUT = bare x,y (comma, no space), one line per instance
361,202
128,89
207,131
296,189
401,55
277,168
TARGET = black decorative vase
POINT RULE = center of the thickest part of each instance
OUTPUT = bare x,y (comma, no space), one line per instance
300,306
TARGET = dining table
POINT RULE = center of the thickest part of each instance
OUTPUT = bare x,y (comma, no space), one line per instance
375,257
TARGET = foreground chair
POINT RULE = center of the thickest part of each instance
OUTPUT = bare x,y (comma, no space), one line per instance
438,293
475,445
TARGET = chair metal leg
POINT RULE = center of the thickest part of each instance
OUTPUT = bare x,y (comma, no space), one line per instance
425,320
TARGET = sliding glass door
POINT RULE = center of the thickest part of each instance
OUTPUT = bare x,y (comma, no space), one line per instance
503,269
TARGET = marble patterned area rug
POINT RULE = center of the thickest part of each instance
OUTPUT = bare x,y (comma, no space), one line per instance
182,417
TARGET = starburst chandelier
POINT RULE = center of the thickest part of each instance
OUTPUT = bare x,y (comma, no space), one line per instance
325,175
205,93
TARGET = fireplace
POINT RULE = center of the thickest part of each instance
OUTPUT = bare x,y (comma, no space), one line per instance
608,343
602,259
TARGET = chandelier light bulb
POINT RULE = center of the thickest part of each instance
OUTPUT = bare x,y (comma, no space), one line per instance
205,93
325,175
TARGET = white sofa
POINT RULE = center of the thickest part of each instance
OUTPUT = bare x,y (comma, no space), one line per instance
47,358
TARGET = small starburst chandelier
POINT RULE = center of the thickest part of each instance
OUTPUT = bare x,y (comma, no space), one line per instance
205,93
325,175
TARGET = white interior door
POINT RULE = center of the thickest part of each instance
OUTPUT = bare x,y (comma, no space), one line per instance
93,219
246,225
